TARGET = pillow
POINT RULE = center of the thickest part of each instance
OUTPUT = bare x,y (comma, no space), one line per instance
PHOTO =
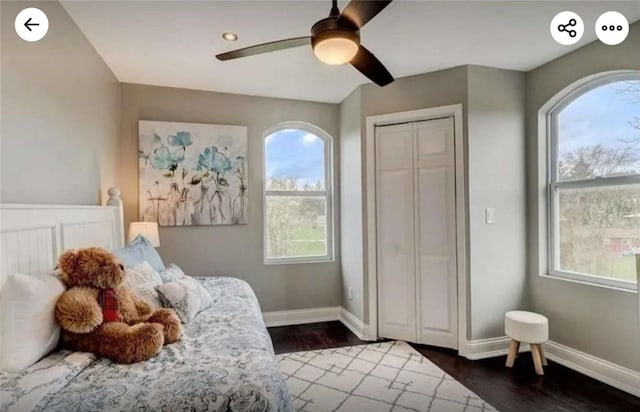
171,273
28,327
139,250
142,279
186,296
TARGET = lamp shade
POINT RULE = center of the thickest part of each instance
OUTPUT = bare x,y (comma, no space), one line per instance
147,229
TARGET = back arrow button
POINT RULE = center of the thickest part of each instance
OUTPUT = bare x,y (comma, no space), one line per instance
28,25
31,24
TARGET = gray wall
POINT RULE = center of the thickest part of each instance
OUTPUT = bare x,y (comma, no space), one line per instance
232,250
351,203
60,114
416,92
599,321
496,178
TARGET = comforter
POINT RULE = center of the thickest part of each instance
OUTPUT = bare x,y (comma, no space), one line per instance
224,362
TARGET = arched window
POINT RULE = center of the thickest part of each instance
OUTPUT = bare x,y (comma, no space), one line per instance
298,208
594,182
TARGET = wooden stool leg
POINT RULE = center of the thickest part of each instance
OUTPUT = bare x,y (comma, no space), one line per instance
537,359
517,349
513,350
544,358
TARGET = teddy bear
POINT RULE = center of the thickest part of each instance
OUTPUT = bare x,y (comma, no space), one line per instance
100,315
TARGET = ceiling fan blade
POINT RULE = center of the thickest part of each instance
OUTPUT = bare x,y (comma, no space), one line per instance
359,12
265,48
370,66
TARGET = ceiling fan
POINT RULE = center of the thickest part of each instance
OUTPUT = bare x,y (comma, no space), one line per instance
335,40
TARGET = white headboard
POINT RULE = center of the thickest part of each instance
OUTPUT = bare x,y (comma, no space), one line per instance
33,236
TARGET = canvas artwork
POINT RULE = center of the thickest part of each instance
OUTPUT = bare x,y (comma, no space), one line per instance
192,174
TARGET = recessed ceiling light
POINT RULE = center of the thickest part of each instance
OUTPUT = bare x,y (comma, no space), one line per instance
228,36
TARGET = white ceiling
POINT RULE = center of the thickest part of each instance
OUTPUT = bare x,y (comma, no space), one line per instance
173,43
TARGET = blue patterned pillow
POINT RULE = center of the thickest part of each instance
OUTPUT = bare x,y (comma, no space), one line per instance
142,280
138,251
186,296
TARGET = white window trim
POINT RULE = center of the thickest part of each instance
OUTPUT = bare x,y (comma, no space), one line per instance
553,186
327,194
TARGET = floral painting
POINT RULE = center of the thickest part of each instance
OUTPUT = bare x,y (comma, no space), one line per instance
192,174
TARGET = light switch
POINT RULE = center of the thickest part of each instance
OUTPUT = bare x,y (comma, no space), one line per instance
350,293
490,215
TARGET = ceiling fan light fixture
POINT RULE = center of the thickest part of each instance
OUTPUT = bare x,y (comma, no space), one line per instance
335,50
335,40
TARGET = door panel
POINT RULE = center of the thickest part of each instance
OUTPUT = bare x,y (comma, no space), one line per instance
416,232
437,269
435,143
394,147
435,305
396,259
433,211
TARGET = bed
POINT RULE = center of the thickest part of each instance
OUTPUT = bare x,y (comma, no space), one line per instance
224,362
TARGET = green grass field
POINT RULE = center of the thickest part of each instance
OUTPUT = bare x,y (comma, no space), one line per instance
624,268
309,241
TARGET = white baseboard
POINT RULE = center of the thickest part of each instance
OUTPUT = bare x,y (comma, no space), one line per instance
488,348
615,375
355,325
326,314
604,371
301,316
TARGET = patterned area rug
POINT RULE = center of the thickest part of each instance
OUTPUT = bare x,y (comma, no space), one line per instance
386,376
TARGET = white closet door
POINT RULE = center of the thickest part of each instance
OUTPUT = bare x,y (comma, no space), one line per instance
435,237
396,259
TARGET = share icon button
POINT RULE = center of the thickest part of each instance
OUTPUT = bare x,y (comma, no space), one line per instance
567,28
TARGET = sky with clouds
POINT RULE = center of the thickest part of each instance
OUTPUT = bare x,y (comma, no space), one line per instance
295,154
600,116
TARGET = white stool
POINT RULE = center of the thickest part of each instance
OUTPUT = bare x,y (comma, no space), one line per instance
527,327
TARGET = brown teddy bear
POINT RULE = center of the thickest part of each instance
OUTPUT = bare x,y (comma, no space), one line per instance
99,315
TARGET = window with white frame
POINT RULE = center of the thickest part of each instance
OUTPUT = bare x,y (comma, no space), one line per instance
298,215
594,182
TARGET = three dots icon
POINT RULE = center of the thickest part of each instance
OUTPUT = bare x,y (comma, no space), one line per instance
612,28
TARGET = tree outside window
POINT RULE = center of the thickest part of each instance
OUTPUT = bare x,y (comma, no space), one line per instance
595,183
297,189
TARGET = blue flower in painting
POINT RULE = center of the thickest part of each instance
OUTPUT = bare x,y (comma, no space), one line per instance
182,139
164,159
214,160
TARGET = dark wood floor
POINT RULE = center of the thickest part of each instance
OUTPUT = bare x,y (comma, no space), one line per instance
518,389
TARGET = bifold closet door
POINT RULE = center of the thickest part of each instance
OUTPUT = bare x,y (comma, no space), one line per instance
395,234
435,234
416,232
